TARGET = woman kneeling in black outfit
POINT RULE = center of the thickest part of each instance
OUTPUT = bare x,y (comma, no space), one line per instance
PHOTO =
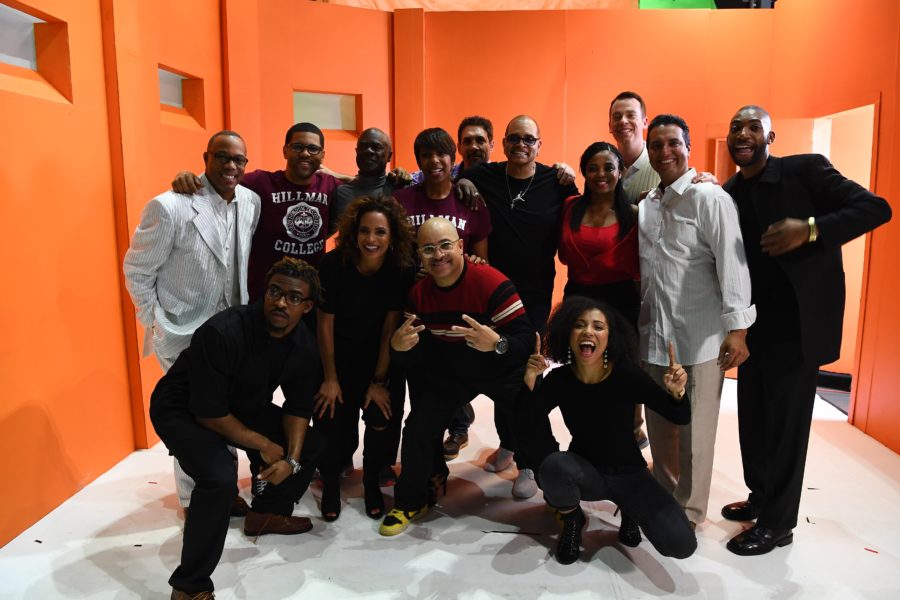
596,391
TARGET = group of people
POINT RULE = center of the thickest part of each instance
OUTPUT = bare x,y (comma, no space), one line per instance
442,281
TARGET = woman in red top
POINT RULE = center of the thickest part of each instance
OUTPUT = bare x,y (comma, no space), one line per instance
599,235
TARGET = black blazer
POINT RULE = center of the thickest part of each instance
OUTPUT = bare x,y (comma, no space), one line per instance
808,185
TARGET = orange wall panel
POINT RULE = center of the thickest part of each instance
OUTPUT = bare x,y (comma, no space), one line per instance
184,37
305,46
64,418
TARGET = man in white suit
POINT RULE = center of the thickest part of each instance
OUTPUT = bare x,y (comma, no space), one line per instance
188,257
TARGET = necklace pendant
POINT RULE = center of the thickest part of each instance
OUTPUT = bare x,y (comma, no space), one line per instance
519,198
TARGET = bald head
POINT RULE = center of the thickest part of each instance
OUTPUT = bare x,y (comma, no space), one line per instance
749,135
373,151
436,228
441,250
520,120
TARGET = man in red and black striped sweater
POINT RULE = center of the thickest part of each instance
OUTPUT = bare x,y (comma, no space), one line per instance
466,334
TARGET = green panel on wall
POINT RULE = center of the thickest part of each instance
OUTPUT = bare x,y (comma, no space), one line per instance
677,4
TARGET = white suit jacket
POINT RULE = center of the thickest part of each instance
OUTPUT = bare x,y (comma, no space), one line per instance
175,269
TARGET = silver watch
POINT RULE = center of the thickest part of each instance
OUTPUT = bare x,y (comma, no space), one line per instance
501,346
295,466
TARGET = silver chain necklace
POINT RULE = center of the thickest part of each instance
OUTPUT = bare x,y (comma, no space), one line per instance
520,197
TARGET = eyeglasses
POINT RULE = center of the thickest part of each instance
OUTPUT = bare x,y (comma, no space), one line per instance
528,140
224,158
445,246
275,293
312,149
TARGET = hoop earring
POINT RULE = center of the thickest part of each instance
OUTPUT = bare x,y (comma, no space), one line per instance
605,359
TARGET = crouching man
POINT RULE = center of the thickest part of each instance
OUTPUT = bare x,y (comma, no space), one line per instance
219,392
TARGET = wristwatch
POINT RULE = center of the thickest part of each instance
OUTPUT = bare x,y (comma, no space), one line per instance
501,346
295,466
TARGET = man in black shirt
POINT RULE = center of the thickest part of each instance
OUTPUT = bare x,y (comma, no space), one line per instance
795,213
219,392
525,198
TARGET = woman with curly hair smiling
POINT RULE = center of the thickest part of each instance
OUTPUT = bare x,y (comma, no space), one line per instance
365,280
596,391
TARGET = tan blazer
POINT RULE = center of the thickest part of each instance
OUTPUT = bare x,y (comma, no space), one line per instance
175,269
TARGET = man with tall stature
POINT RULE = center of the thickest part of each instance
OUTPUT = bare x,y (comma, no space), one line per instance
695,292
795,214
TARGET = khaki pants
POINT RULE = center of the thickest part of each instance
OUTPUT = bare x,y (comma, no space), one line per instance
683,454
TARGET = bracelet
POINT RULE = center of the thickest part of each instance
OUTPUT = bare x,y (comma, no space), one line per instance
382,381
680,395
813,230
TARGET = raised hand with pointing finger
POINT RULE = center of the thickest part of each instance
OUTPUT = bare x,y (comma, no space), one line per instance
537,363
407,335
676,377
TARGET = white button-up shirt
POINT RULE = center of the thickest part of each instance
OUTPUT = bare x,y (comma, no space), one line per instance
639,177
695,286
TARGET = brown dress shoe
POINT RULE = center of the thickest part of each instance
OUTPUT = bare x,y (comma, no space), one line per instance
257,523
454,443
179,595
239,508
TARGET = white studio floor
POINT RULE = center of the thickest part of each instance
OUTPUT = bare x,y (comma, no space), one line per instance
120,537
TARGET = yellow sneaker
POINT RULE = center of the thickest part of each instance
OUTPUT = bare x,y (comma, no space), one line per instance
396,521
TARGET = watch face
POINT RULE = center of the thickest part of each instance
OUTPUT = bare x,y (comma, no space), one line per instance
502,345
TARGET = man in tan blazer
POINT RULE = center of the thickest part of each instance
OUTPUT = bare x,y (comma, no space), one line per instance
188,260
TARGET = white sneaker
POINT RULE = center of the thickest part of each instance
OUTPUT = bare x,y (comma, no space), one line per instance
499,460
525,485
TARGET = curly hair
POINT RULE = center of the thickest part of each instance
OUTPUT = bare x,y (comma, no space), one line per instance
622,341
298,269
403,243
621,206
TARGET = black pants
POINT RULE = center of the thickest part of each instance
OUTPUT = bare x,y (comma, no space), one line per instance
204,456
381,436
566,479
776,393
432,404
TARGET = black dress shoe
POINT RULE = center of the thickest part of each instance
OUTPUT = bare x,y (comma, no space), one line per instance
759,540
740,511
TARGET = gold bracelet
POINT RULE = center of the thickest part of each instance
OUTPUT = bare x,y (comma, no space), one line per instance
813,232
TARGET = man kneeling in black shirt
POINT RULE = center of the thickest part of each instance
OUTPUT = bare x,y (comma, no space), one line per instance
219,392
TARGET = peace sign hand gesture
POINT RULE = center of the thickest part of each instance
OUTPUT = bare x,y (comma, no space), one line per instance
676,377
537,364
406,335
478,336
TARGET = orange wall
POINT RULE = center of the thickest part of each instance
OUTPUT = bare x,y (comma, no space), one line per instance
64,415
108,151
279,46
702,65
182,36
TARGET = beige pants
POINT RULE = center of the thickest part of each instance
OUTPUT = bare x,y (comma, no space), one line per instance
683,454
